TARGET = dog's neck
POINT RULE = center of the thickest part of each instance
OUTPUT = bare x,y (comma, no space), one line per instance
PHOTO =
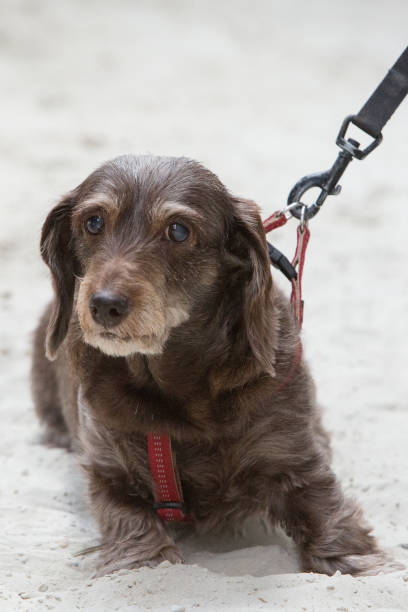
206,355
187,390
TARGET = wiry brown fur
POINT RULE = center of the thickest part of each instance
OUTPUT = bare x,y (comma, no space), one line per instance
205,348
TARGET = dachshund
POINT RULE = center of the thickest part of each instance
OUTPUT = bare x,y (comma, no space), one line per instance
166,320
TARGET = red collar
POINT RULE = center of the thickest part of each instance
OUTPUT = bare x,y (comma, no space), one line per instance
168,494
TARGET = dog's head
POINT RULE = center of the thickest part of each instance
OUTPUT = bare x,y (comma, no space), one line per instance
144,245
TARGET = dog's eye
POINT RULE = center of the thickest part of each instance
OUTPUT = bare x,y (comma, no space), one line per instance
94,224
177,232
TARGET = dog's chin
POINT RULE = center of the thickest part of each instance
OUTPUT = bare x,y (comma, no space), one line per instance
116,347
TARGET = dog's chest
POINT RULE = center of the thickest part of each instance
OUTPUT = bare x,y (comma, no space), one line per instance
218,482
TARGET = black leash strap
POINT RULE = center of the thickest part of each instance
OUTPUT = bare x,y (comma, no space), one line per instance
371,119
385,100
281,262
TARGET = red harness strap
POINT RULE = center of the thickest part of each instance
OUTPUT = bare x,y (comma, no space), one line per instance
276,220
168,494
303,234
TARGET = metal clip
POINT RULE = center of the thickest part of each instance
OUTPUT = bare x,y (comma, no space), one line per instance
352,146
327,181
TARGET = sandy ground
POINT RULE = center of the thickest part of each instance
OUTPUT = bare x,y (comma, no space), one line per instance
256,91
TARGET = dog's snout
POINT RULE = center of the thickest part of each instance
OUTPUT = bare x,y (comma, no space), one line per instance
108,308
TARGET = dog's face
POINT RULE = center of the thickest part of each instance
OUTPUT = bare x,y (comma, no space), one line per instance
143,245
149,252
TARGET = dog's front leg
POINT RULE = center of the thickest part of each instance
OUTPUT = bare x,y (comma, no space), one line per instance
329,528
132,536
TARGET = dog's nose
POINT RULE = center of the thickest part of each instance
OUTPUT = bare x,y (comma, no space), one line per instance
107,308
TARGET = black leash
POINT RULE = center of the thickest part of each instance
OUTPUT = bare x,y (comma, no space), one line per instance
385,100
370,119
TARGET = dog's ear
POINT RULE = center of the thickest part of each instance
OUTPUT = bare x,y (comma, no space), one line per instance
248,243
57,252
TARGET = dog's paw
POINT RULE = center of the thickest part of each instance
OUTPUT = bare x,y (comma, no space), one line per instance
114,558
54,437
370,564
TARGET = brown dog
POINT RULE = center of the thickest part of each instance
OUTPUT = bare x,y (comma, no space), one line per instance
166,319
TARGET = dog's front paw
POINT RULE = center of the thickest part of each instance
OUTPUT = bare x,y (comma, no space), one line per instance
370,564
115,557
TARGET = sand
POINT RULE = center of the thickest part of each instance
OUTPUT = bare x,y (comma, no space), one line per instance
256,91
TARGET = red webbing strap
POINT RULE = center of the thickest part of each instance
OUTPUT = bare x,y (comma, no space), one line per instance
303,234
276,220
169,499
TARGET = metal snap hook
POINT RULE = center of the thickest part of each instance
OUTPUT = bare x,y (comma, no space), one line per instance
299,209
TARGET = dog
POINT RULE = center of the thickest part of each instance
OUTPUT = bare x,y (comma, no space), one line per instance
166,319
